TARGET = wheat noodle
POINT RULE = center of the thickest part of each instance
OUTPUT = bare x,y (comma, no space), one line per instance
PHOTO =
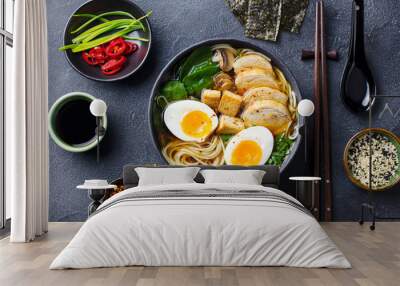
210,152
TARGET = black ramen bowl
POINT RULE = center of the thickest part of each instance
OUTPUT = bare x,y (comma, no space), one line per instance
155,118
134,61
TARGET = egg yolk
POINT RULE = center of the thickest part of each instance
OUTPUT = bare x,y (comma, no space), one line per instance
196,124
246,153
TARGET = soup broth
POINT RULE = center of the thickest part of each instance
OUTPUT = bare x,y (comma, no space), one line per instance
75,124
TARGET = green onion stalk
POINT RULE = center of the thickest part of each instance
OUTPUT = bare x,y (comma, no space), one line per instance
111,28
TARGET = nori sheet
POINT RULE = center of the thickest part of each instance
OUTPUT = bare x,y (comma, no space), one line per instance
239,8
263,19
293,13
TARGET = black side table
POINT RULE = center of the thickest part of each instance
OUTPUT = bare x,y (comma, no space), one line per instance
96,194
305,191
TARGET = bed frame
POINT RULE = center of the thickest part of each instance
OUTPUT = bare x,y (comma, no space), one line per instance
271,178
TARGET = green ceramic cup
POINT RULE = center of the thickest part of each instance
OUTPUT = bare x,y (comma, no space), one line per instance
54,110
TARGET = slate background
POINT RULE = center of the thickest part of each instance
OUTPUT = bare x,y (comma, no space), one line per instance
176,24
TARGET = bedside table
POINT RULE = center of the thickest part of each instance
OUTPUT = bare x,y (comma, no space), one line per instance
305,191
96,189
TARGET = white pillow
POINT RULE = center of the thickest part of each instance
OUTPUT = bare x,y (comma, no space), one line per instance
246,177
166,176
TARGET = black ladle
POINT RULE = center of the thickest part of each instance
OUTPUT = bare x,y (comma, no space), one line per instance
358,85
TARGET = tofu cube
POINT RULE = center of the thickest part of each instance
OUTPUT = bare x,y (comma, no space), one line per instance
230,103
211,98
229,125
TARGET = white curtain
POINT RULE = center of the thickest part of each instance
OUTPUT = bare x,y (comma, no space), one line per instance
26,117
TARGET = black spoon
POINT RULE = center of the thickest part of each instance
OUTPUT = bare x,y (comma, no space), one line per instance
358,85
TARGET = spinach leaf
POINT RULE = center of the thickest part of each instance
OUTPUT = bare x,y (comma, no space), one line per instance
194,87
174,90
225,137
281,149
198,56
200,77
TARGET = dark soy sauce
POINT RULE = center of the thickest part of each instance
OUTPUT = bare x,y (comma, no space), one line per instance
358,84
75,124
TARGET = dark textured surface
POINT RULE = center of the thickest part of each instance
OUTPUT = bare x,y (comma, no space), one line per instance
180,23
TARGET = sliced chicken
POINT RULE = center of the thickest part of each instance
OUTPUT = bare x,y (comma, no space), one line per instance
269,113
264,93
251,61
255,77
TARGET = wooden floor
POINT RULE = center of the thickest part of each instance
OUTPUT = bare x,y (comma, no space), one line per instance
375,257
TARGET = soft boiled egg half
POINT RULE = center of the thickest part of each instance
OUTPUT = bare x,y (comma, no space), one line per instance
190,120
250,147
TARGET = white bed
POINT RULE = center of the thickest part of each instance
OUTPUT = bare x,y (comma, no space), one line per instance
246,225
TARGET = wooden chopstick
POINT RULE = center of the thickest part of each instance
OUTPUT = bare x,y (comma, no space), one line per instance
325,120
317,115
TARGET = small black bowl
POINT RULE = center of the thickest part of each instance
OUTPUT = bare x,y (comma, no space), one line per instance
134,61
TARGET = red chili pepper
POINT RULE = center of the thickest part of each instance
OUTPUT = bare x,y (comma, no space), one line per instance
113,66
130,48
89,58
116,48
99,53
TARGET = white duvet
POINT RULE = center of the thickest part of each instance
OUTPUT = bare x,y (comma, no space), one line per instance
200,231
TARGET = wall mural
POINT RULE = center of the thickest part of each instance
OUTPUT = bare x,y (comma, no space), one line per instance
221,101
